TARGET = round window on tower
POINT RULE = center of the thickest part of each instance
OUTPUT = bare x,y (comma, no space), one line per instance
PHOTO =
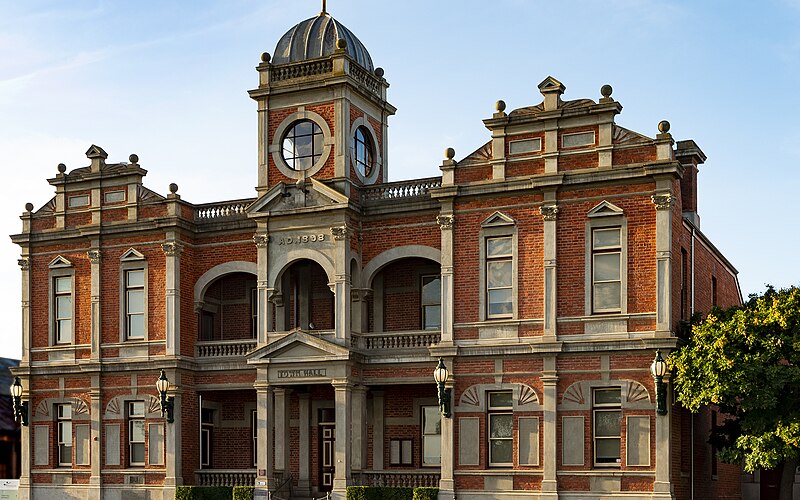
364,152
302,145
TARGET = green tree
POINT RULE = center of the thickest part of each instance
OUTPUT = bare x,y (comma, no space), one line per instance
746,360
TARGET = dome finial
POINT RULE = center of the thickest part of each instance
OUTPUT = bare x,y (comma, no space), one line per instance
324,8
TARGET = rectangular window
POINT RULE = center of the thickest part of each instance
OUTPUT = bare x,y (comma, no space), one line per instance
606,270
79,201
62,309
714,291
253,313
431,436
499,273
577,140
136,433
134,304
431,298
607,415
254,427
684,285
206,436
114,196
501,429
400,452
64,430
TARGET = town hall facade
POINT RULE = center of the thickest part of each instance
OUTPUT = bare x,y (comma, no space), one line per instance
299,328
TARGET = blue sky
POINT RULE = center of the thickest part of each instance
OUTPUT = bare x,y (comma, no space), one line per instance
168,81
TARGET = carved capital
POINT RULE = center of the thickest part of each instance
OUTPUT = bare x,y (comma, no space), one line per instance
261,240
172,249
94,256
24,263
548,212
445,221
663,201
340,232
277,299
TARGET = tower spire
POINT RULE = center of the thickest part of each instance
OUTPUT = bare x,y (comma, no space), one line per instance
324,8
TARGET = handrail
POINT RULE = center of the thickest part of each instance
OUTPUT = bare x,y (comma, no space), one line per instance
282,488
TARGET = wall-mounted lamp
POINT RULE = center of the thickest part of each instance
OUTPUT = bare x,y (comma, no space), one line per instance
167,403
20,406
440,375
659,368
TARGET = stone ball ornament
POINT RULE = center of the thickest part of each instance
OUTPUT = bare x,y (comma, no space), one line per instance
173,188
62,168
606,90
134,158
663,126
450,153
500,106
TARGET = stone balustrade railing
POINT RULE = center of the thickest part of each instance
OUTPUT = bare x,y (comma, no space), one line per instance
397,340
299,70
401,189
225,477
368,80
223,348
402,479
221,211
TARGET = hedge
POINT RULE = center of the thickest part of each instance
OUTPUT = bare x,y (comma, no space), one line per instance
242,493
390,493
203,493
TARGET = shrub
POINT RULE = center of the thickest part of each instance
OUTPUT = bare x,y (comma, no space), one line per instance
379,493
425,494
203,493
242,493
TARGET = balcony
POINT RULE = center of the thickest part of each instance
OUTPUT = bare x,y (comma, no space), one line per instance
401,479
225,477
420,339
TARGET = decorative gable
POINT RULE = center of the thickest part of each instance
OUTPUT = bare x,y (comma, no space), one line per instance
131,255
551,84
308,193
299,346
59,262
498,219
604,209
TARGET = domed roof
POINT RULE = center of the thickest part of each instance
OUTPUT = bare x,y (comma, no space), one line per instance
316,37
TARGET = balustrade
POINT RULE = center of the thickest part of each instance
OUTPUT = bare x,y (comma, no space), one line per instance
224,348
401,189
397,340
402,479
223,210
225,477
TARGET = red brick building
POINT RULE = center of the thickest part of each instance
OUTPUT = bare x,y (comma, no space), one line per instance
300,328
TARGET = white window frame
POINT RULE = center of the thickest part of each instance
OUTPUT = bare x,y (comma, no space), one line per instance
132,260
494,411
497,225
129,314
56,319
436,411
133,419
276,144
599,251
424,305
605,215
64,439
606,408
377,161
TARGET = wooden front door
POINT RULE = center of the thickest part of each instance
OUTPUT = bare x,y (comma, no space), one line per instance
770,483
327,434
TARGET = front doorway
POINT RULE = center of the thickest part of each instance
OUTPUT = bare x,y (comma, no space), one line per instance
327,434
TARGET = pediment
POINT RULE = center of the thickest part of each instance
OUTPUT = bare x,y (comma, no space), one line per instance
498,219
299,346
96,152
131,254
304,194
59,262
604,208
551,84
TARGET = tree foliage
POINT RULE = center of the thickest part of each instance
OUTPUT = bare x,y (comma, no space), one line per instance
746,360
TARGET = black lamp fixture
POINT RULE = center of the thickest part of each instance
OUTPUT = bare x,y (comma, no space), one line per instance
659,368
440,375
167,403
20,406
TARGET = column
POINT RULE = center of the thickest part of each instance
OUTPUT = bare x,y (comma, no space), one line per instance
172,252
24,490
447,484
342,448
304,451
359,428
550,381
377,430
266,419
96,457
172,437
549,212
25,267
663,202
662,488
94,260
341,285
282,429
261,239
446,222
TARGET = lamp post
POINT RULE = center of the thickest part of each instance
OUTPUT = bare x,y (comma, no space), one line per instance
20,407
440,375
167,403
658,369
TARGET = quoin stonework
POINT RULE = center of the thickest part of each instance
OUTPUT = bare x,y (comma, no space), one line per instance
299,328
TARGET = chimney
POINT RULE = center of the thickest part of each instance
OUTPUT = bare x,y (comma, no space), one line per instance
98,157
690,156
551,89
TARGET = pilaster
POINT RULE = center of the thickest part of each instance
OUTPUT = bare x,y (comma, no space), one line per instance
377,430
549,212
25,268
342,447
342,285
550,382
662,487
304,466
261,240
172,275
96,318
447,483
663,201
265,437
446,222
173,437
96,480
282,428
359,428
